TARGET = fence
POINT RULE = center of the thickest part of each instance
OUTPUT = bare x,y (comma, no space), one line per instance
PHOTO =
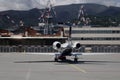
106,49
102,49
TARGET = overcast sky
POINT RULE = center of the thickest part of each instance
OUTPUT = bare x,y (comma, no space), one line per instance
28,4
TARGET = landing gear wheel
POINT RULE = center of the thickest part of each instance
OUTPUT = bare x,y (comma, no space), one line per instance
56,59
64,58
75,59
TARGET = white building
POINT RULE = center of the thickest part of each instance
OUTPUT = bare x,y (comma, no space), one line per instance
100,38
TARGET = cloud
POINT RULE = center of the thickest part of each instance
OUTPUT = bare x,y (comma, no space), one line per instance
28,4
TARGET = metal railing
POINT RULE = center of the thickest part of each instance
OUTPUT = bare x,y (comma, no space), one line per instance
49,49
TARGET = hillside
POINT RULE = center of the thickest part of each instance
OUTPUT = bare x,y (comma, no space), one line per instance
64,13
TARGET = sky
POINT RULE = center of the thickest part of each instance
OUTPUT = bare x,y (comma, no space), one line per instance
29,4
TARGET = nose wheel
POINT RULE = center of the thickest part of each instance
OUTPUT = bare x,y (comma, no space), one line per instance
58,57
63,58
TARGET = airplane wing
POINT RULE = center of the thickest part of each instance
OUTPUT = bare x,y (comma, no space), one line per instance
43,53
78,53
73,54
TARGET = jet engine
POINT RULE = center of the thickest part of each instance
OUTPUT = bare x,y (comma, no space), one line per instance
56,45
76,45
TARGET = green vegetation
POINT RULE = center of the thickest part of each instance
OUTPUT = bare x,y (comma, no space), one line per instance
104,21
99,15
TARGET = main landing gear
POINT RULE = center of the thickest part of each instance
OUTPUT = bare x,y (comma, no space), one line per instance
56,59
76,58
63,58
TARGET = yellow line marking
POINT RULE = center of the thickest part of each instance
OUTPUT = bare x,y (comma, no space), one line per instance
78,68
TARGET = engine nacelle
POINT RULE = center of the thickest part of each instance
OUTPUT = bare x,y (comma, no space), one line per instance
76,45
56,45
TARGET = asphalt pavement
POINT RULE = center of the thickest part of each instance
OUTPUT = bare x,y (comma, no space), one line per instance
17,66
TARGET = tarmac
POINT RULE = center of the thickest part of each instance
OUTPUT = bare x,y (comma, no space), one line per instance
17,66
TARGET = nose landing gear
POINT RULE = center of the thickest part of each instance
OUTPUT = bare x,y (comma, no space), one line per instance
57,57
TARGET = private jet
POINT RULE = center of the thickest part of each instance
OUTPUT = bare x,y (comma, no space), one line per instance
66,49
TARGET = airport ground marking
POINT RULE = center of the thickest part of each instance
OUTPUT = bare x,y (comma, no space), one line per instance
78,68
28,74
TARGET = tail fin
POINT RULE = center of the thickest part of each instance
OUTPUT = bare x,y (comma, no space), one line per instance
70,31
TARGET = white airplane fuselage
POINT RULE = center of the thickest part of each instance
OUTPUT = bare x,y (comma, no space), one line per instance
65,49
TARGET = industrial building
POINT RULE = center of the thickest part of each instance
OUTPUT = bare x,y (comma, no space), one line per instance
97,39
92,39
